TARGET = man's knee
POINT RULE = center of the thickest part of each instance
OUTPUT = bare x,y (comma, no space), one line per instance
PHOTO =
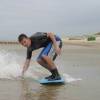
39,61
44,57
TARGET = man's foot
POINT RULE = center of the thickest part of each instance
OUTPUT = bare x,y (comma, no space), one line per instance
48,76
54,78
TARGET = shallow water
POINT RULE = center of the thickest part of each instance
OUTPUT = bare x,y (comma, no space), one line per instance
76,61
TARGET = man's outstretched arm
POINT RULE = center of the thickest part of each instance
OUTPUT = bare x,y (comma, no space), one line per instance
25,67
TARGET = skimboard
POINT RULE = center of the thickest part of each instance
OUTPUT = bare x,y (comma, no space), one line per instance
46,81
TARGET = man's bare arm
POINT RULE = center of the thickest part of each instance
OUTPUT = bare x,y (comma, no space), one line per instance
26,65
56,47
51,35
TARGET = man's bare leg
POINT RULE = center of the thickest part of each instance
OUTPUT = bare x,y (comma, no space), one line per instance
53,70
43,63
49,62
52,67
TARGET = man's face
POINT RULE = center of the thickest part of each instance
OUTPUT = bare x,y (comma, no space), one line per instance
26,42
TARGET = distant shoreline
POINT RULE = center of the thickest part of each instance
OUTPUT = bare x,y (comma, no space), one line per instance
71,40
64,41
8,42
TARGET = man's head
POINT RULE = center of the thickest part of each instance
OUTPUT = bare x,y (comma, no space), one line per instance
24,40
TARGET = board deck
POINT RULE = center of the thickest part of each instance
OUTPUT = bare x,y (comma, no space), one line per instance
45,81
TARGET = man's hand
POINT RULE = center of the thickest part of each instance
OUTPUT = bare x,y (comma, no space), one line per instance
23,73
58,51
26,65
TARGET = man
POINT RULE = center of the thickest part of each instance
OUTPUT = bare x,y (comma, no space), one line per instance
51,45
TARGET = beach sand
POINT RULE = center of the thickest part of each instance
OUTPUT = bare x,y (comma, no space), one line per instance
80,60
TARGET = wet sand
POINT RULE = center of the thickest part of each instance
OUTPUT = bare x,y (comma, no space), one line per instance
77,60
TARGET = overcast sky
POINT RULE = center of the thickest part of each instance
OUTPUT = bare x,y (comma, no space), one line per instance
59,16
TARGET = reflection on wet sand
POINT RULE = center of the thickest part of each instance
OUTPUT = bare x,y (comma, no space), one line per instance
44,92
50,92
26,94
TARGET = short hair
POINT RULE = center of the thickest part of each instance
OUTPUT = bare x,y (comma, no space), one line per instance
21,37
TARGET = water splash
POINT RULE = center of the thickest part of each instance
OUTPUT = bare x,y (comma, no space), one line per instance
11,67
8,65
69,78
